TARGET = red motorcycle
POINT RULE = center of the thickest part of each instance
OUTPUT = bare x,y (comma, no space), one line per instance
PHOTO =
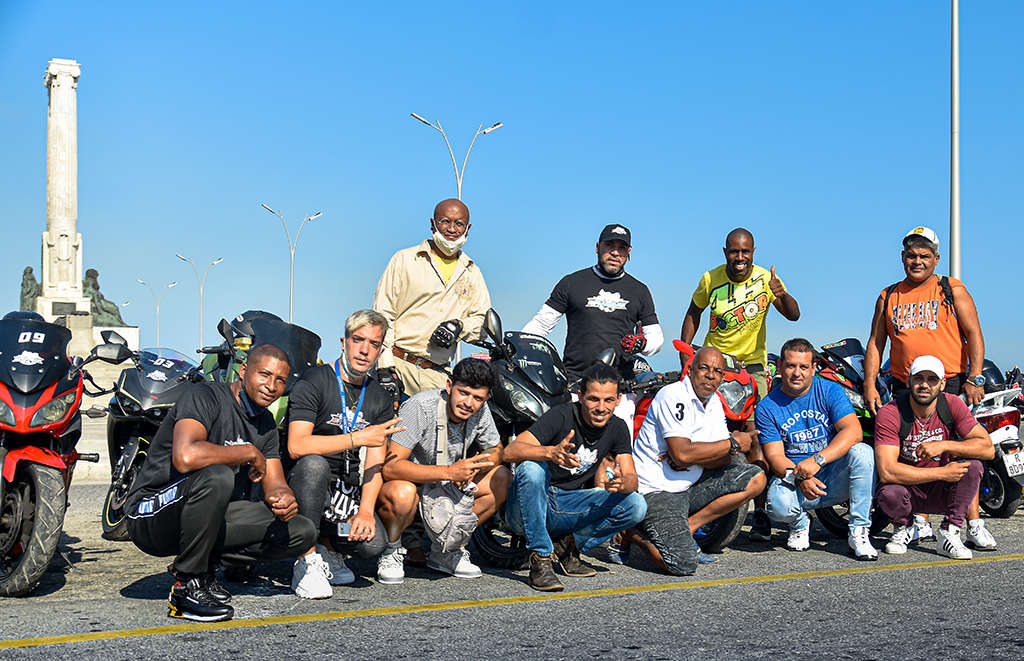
40,425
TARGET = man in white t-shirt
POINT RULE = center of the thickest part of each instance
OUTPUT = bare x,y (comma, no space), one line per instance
691,469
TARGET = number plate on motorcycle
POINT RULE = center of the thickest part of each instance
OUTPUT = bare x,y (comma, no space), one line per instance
1014,463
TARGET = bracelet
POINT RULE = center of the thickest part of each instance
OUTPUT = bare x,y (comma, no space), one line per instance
352,440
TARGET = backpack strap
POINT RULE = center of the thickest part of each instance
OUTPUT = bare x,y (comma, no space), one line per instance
946,415
947,296
441,442
885,307
906,415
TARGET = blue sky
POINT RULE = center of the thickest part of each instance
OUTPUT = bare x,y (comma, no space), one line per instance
821,127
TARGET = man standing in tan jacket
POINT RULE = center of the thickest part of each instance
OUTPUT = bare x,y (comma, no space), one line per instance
432,295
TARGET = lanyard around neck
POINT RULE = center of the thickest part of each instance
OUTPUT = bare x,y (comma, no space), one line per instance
346,426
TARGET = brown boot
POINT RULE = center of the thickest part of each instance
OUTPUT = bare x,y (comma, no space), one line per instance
568,558
542,576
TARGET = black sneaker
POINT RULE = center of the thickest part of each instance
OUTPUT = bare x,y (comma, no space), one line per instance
761,528
192,601
568,558
216,590
542,576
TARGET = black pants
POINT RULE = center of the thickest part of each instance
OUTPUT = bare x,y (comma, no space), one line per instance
195,520
310,479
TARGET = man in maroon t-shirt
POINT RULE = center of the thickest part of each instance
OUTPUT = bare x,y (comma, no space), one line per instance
929,471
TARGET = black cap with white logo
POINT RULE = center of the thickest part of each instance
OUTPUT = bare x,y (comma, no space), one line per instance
615,232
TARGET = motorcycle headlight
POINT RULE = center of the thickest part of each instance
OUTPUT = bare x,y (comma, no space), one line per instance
6,414
733,393
856,399
129,406
54,411
526,404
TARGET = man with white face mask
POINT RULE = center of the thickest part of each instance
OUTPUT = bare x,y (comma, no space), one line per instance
432,295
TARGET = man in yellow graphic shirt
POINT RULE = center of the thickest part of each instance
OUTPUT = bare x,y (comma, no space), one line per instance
739,294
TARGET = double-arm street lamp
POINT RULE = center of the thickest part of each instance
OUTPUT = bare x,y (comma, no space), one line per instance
459,174
291,250
201,281
156,302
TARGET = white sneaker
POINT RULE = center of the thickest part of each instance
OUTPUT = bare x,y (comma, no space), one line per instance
897,544
951,546
799,540
340,573
978,537
860,543
311,577
455,563
391,565
922,529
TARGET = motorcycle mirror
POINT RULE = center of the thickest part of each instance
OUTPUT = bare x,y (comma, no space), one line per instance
95,411
112,337
609,356
492,326
112,353
224,328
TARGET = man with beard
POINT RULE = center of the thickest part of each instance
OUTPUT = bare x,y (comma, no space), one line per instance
927,451
563,489
334,410
432,295
603,305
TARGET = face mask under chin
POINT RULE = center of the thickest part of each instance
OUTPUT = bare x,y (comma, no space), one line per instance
449,248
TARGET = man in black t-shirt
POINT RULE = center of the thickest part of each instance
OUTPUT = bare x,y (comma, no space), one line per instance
325,433
575,480
603,306
181,503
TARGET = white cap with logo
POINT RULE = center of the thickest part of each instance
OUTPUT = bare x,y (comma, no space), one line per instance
926,233
928,364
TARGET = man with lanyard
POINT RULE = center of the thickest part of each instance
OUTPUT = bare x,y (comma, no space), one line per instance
927,314
432,295
416,461
182,502
739,294
811,440
565,492
603,306
333,411
691,468
927,450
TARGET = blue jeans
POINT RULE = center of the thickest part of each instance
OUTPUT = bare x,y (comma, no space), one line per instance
850,478
539,511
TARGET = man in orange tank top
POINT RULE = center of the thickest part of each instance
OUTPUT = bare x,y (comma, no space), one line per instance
918,318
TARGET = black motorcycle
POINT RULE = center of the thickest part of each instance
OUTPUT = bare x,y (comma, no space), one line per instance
143,395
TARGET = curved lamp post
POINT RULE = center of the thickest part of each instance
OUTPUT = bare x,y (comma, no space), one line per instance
201,281
291,250
459,174
156,302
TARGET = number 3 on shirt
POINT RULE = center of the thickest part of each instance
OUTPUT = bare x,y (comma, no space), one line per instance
679,411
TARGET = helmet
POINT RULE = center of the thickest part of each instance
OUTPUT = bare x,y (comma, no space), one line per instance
242,324
994,379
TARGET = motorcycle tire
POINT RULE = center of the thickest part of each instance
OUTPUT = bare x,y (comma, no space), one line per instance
718,534
39,494
499,547
836,519
113,520
999,494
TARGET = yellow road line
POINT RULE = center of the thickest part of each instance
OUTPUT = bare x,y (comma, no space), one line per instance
496,601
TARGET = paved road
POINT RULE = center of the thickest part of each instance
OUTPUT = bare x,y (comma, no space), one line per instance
758,601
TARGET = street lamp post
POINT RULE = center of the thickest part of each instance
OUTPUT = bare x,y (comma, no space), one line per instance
202,283
459,174
156,302
291,250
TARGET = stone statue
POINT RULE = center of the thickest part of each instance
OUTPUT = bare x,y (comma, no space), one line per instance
104,312
30,289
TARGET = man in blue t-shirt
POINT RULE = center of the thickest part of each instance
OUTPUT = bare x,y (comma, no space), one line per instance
811,440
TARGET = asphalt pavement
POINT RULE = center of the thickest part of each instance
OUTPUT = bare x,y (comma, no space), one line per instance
107,599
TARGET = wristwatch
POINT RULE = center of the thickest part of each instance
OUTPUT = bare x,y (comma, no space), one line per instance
819,459
734,445
978,381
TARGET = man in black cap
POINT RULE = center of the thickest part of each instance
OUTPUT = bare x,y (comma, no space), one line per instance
603,306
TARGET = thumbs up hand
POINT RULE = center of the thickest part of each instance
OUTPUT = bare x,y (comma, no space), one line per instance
776,285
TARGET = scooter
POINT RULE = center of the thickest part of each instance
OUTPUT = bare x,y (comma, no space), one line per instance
40,425
143,395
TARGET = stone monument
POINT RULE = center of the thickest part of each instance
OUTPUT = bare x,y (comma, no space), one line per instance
63,296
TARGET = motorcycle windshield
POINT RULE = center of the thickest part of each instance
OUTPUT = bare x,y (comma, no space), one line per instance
538,360
300,344
33,354
162,369
849,353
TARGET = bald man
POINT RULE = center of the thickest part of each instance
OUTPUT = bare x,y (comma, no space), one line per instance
739,293
432,295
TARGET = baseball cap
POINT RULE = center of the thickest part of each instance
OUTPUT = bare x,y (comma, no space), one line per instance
615,232
926,233
928,364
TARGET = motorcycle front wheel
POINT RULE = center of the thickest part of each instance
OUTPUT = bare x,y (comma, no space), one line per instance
499,547
998,494
31,519
836,519
718,534
113,520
